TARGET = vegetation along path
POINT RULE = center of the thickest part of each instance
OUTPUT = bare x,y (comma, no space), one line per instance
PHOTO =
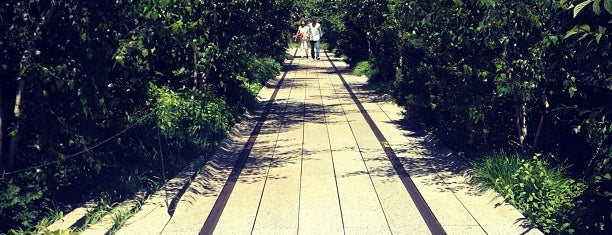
114,117
327,155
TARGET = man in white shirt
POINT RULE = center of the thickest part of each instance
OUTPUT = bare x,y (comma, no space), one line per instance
314,33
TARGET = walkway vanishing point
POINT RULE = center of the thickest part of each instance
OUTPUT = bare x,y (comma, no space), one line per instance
325,155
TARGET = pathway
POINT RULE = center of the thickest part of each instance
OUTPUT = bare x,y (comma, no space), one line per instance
317,166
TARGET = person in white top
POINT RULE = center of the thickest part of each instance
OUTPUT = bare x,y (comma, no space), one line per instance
314,34
302,36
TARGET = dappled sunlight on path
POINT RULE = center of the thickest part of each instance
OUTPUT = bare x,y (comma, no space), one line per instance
314,165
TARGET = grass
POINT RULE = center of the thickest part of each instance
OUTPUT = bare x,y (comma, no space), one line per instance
42,225
120,214
53,216
102,208
544,193
94,215
496,171
58,232
120,217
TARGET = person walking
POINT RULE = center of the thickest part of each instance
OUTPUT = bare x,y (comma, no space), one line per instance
302,36
314,34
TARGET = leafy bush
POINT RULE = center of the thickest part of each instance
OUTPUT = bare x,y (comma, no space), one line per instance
592,213
189,124
489,74
21,201
260,70
545,194
364,68
84,69
256,72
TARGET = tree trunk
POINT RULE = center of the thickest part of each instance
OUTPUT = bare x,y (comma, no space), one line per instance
196,84
536,141
216,39
208,70
370,52
25,63
521,122
17,113
520,112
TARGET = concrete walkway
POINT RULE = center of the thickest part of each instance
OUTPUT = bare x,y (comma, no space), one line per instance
317,167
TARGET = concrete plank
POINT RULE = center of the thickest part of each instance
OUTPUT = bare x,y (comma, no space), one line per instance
319,206
279,205
361,209
400,210
241,209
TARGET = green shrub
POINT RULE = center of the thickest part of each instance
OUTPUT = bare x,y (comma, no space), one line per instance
22,201
593,207
252,87
364,68
191,125
544,193
260,70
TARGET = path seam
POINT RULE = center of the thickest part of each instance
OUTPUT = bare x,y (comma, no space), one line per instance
422,206
363,161
331,153
213,217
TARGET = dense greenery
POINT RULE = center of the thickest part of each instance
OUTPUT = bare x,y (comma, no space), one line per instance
108,97
543,192
528,76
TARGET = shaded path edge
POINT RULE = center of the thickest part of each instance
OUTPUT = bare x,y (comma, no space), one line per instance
430,219
215,214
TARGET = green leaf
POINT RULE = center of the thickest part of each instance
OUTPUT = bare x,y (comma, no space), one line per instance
596,7
572,91
578,29
600,32
581,6
608,6
554,39
97,167
119,59
598,37
59,83
83,36
59,68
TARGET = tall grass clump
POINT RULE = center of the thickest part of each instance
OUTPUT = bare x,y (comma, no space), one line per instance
120,217
544,193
